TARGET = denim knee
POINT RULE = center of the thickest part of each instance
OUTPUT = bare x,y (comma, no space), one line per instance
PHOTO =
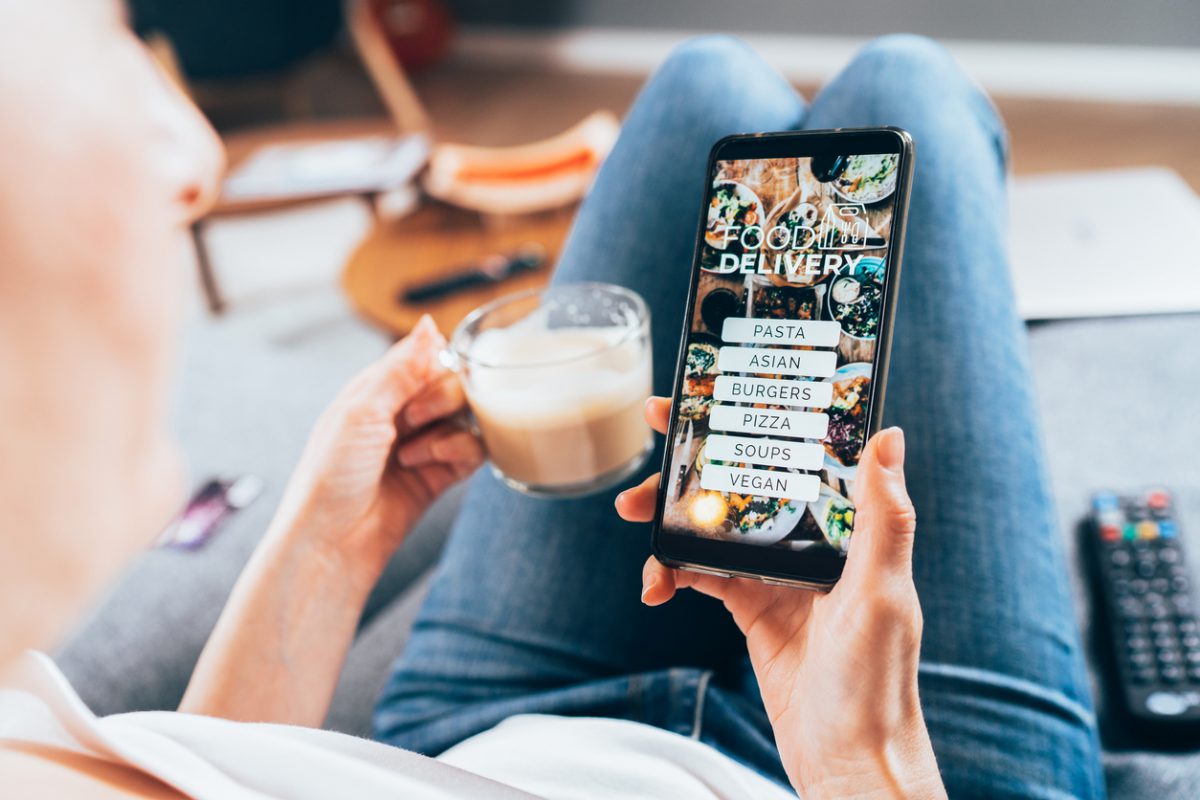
719,74
714,55
911,79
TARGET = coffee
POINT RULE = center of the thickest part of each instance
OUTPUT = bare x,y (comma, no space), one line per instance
560,408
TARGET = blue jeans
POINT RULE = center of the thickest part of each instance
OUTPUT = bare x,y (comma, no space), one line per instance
535,607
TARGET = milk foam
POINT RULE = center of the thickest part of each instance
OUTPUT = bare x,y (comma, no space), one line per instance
541,377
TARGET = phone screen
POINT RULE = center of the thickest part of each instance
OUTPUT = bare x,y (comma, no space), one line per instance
784,343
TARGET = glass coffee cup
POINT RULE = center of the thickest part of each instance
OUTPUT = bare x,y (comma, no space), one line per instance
556,380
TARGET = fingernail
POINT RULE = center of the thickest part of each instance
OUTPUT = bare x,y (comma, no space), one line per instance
647,586
891,449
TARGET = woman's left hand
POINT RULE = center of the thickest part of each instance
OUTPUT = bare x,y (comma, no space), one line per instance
385,449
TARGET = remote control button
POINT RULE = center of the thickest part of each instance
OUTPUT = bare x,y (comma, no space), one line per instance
1162,626
1165,640
1145,568
1160,585
1169,657
1191,641
1192,656
1144,676
1158,498
1142,658
1120,558
1156,612
1136,643
1147,530
1129,608
1110,533
1171,674
1139,586
1179,584
1167,529
1168,554
1183,605
1121,587
1187,626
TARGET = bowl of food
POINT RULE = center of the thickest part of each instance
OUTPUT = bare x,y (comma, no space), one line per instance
847,412
769,301
699,376
732,209
835,517
760,520
867,178
855,298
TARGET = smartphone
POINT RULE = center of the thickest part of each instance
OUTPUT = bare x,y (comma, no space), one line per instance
784,353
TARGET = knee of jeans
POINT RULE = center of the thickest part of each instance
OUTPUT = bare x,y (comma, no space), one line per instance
905,75
714,53
714,68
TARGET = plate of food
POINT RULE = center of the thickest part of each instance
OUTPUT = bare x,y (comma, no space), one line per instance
761,520
835,517
751,519
867,178
855,298
783,302
847,418
699,376
732,204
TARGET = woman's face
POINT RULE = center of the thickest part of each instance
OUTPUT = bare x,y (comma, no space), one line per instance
103,164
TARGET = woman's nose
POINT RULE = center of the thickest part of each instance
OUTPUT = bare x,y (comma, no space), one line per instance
205,165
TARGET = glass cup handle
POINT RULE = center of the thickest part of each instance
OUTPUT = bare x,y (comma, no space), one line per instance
451,361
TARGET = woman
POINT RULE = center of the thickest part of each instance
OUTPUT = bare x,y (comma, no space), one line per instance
535,669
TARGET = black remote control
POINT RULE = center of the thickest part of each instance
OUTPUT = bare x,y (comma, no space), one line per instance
1147,593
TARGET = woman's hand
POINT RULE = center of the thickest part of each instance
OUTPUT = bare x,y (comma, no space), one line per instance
385,449
837,671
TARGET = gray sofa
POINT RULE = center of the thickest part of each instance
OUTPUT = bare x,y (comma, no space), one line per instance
1116,406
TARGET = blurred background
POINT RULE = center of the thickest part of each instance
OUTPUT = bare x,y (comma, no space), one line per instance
378,149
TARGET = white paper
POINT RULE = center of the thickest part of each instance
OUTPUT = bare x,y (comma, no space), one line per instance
340,166
269,255
1104,243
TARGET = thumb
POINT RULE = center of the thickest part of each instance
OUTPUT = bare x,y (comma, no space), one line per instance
885,521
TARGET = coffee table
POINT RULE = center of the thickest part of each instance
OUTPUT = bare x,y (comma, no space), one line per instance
435,241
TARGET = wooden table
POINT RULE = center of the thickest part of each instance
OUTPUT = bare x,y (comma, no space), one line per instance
433,242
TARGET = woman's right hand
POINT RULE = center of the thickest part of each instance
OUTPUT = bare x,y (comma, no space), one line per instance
837,671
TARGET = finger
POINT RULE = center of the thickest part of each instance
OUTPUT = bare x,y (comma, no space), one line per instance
885,522
658,582
437,478
639,503
407,368
658,413
442,398
444,443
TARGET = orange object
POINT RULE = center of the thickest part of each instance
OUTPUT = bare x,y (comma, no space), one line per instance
533,177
